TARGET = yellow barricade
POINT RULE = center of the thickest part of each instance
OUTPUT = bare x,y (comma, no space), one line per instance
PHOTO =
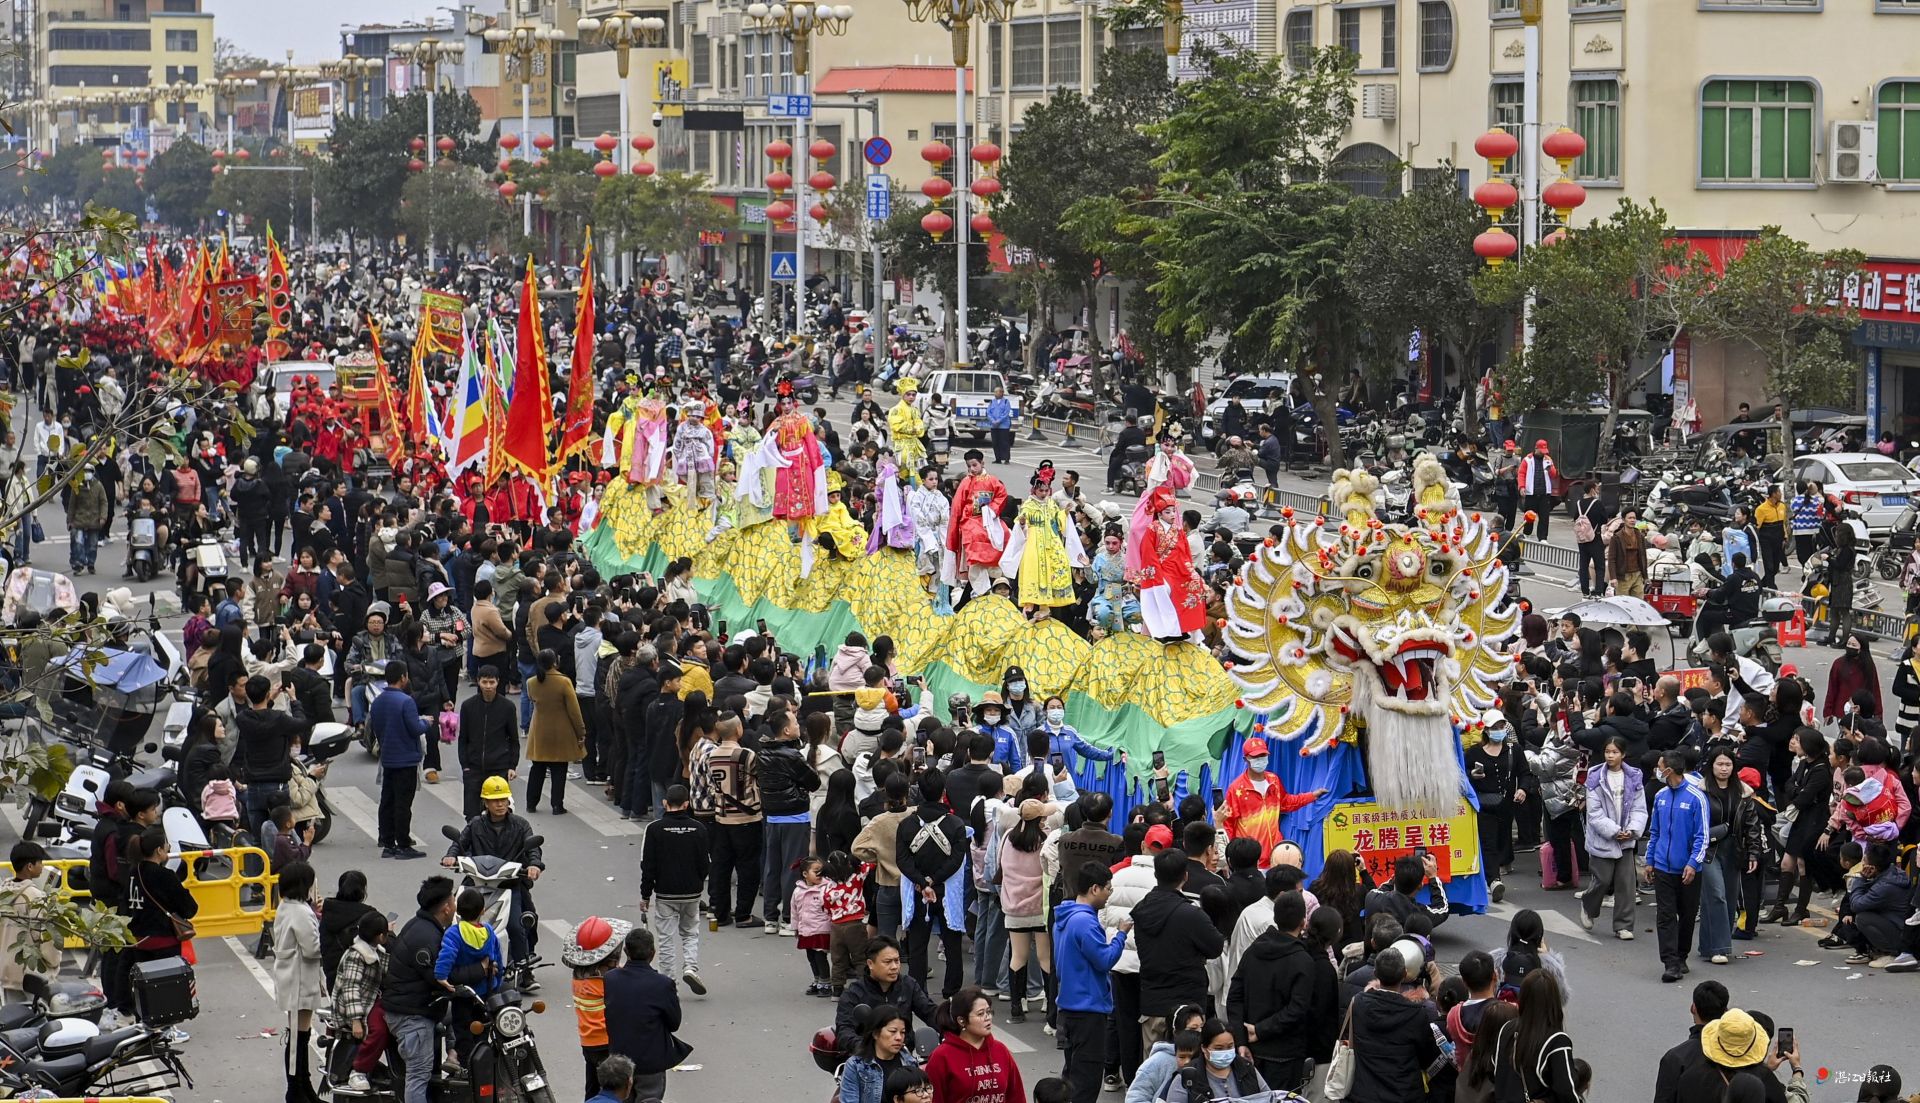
233,887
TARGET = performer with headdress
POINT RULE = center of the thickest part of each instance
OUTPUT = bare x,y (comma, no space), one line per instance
908,426
1044,551
1113,606
693,453
836,531
1169,466
1173,598
976,536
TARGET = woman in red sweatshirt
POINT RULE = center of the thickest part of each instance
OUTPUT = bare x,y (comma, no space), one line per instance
970,1065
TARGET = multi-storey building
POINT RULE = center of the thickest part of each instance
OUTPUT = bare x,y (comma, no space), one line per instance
95,64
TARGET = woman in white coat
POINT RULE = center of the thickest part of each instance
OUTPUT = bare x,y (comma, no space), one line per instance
299,982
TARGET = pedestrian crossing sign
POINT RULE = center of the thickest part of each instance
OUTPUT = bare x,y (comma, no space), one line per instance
784,267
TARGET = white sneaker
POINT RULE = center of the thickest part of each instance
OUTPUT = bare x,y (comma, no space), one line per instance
786,930
772,927
176,1036
1624,936
1047,1030
1882,962
1905,963
1585,920
1497,891
1718,959
358,1082
1914,919
1003,997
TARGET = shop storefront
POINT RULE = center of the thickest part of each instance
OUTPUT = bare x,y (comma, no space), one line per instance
1888,298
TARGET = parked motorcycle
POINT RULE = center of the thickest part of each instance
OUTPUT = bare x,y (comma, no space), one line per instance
131,1061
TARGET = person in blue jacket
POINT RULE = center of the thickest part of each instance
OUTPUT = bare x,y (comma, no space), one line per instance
1084,954
470,955
992,714
398,725
1676,846
1066,742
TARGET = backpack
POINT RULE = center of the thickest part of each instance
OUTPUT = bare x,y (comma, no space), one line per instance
1583,531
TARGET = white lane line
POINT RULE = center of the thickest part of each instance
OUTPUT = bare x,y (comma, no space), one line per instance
600,816
245,953
360,810
1013,1044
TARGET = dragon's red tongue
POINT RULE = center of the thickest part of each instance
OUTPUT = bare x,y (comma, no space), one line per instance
1416,681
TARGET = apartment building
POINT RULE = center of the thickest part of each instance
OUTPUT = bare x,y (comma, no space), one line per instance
94,60
1732,114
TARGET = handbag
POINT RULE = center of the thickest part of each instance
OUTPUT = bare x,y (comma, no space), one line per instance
183,929
1783,823
39,534
1340,1070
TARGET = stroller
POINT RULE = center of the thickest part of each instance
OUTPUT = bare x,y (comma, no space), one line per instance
1890,558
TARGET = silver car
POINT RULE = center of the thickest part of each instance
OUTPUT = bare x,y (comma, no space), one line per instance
1878,486
1257,393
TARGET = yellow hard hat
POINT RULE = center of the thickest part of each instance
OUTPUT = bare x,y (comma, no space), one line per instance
495,788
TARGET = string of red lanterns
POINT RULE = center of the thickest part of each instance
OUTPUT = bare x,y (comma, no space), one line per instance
1498,196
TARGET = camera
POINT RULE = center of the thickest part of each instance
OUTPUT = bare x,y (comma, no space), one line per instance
658,118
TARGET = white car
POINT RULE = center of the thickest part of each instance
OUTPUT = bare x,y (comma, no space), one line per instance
286,373
1257,393
1878,486
967,392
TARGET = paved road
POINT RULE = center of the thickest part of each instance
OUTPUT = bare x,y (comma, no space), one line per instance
750,1033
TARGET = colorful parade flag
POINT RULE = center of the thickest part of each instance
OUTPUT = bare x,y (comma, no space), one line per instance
467,435
529,431
279,300
390,424
576,428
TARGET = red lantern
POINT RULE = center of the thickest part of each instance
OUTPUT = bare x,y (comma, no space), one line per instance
1555,238
1563,195
543,142
509,142
936,153
821,182
821,150
216,170
643,168
506,164
818,212
936,189
642,142
415,164
276,154
418,145
1497,196
778,150
139,154
1497,146
1495,246
445,144
982,224
244,155
985,152
936,223
604,169
779,211
779,181
219,154
1564,146
509,189
606,143
986,187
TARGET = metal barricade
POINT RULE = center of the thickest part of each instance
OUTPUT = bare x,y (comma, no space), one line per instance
1550,555
233,887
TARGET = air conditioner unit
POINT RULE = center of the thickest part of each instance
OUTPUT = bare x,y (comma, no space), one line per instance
990,110
1853,152
1379,101
730,25
569,95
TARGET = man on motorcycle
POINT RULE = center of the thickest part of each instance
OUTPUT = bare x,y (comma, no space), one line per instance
1733,603
499,833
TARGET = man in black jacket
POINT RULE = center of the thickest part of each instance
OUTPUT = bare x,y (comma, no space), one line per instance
1393,1032
930,846
673,867
1710,1001
311,690
643,1011
1091,841
1275,996
265,750
634,791
1176,940
411,995
497,832
489,742
781,770
1622,719
882,982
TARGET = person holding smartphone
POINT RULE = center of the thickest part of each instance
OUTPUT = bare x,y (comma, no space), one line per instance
1067,744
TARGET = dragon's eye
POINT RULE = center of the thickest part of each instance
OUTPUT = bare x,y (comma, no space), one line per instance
1364,570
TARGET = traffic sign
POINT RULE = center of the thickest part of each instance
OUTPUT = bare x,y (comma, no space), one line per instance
879,196
795,106
878,151
784,267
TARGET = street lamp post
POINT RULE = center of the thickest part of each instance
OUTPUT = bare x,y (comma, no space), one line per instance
959,17
231,87
521,43
349,70
798,23
623,31
429,53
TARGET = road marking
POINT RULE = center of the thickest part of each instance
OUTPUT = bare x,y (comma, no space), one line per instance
1562,925
360,810
245,953
602,817
1013,1044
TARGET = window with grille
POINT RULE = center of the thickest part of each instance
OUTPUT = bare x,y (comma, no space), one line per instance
1389,37
701,63
702,150
1508,103
1900,130
183,41
1757,131
1346,32
1141,40
1502,8
996,64
1063,51
1029,54
1596,115
1297,36
1436,35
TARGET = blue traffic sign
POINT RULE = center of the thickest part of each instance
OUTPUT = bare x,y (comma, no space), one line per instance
795,106
879,196
784,267
878,151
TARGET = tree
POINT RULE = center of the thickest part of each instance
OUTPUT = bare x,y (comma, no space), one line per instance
362,182
459,207
910,250
1242,235
229,58
1789,303
1609,300
675,208
1411,269
180,183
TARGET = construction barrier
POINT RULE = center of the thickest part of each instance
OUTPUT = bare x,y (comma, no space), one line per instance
1036,434
1794,632
236,902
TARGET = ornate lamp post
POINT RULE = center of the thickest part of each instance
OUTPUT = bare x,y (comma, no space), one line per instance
959,17
623,31
230,87
429,54
798,23
350,70
521,43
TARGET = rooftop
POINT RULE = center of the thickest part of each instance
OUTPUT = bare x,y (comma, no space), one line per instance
912,79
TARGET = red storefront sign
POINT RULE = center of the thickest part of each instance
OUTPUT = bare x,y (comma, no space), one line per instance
1884,291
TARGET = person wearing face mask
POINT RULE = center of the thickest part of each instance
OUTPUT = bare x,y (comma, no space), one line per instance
1256,800
992,716
1023,714
1852,672
1066,742
1221,1075
86,519
1494,772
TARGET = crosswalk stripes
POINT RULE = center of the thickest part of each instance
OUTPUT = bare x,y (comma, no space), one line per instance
360,810
584,804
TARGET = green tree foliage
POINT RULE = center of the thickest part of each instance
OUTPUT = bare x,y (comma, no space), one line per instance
661,215
264,193
1786,301
911,251
1609,300
229,58
180,183
366,170
458,205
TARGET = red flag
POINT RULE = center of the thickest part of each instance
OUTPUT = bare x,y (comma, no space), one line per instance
577,427
524,444
496,417
390,424
279,300
417,400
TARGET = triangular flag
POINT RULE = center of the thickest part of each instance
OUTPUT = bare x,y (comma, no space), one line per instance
530,414
576,428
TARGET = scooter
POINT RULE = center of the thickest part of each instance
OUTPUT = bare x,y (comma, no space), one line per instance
1133,471
143,556
495,878
1756,639
135,1060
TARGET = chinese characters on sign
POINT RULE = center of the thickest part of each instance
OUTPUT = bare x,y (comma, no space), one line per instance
1379,836
1225,27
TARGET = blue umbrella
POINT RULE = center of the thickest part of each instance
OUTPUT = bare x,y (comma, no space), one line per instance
126,671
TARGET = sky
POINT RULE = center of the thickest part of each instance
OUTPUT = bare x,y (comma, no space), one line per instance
312,29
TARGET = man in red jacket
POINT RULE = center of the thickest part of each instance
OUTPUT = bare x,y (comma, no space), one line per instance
1256,800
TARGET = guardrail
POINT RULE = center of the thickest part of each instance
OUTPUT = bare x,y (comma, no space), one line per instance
239,901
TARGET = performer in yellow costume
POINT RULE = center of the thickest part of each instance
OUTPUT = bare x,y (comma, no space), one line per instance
837,527
1043,551
909,427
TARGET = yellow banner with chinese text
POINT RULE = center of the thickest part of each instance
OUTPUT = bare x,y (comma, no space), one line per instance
1379,836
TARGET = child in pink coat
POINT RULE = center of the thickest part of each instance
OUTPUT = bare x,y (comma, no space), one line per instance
811,925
